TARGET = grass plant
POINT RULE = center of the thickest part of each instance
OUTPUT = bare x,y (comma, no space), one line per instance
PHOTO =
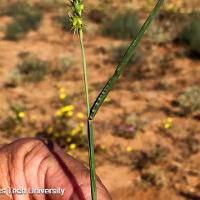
191,36
77,22
33,69
123,26
25,18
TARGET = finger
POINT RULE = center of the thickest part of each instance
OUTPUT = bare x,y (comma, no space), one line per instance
80,174
47,166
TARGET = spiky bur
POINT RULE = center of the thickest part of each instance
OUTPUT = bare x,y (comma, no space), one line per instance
77,23
75,15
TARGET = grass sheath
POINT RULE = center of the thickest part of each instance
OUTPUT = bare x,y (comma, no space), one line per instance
123,63
89,123
92,160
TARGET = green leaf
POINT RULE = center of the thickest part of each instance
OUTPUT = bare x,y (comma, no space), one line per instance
124,62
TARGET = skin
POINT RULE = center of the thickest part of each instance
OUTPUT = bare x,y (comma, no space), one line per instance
32,163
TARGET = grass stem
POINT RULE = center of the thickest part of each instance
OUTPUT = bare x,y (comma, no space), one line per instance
90,123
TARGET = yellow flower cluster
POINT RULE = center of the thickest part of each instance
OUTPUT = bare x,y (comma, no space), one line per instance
50,129
72,146
21,115
66,111
77,130
62,94
80,115
169,123
103,147
129,149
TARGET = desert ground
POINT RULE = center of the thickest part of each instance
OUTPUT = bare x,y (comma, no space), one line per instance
147,133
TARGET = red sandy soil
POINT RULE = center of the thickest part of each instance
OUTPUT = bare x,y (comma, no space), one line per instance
179,171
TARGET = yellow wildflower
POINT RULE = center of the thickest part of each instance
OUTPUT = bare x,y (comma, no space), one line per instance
167,126
50,129
63,96
75,131
107,100
103,147
169,120
81,125
69,139
168,123
67,108
69,114
21,115
62,90
80,115
129,149
72,146
59,113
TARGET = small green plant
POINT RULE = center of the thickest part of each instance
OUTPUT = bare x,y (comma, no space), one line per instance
14,31
130,126
50,5
144,159
17,9
14,78
153,178
189,101
63,65
19,111
25,19
191,36
118,52
14,119
97,15
63,21
123,25
33,69
8,124
77,23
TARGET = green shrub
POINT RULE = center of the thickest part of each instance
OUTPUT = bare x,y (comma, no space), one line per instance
191,36
189,101
118,52
25,19
64,22
122,26
17,9
9,124
14,78
14,31
63,65
50,5
33,69
97,15
131,126
145,159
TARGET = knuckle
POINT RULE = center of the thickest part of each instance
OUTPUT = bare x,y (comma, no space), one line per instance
27,144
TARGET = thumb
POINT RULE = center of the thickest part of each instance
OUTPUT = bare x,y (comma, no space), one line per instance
78,174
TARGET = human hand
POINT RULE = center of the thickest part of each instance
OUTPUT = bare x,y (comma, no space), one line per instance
30,163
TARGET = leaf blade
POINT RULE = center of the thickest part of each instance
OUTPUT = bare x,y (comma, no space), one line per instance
123,64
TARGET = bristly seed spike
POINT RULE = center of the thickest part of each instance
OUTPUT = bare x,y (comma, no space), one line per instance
76,15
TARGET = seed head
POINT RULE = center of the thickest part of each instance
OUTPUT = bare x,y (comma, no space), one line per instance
76,15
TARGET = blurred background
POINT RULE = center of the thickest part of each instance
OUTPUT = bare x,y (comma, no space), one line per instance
147,134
